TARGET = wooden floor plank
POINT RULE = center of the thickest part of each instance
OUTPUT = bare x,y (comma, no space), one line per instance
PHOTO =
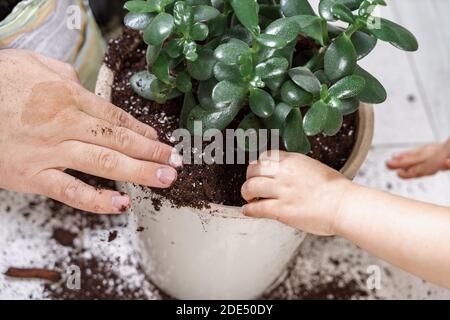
431,64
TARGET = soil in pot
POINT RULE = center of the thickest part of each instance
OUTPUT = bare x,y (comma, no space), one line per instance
199,185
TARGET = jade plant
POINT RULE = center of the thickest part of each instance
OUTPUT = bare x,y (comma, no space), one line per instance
263,61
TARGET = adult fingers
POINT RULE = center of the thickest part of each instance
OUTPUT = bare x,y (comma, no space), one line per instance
102,109
267,208
101,133
75,193
259,187
110,164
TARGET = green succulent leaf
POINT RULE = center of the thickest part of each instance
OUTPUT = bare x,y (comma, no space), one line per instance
247,12
224,71
183,17
271,68
200,2
204,13
373,91
204,94
162,92
227,92
325,9
199,32
240,33
152,54
342,13
315,118
230,52
161,69
294,138
341,9
292,8
322,77
141,84
159,29
310,26
217,26
213,119
138,21
246,67
190,50
142,6
351,4
261,103
189,103
271,41
278,119
183,82
348,87
275,83
270,11
349,106
363,43
285,28
340,58
397,35
305,79
253,123
175,48
333,122
294,95
202,68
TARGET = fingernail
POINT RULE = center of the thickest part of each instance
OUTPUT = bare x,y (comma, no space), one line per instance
176,160
166,175
121,203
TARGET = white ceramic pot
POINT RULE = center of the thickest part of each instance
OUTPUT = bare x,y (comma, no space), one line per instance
218,253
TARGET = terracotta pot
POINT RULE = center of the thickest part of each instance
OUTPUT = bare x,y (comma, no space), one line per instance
218,253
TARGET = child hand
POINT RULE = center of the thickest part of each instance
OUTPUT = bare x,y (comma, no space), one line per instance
421,162
296,190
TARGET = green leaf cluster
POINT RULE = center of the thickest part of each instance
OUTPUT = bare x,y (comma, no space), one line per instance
229,57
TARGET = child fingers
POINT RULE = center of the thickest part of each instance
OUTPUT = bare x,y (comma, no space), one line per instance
260,187
273,155
412,172
262,209
264,168
408,159
447,164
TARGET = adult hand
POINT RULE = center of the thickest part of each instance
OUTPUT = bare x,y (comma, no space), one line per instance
296,190
49,122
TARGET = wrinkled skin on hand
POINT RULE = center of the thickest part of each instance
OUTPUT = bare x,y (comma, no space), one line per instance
49,122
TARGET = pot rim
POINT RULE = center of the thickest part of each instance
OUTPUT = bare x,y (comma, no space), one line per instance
364,136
